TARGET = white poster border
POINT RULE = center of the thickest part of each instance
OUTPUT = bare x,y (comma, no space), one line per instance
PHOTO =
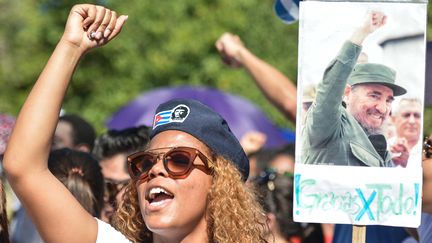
320,190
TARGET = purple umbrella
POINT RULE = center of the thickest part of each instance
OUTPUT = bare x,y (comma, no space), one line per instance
242,115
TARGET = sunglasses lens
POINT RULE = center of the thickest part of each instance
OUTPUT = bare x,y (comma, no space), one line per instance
178,161
141,164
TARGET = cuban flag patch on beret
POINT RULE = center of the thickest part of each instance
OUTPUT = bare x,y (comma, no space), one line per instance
178,114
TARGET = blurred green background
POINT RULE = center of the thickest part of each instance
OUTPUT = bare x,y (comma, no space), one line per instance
163,43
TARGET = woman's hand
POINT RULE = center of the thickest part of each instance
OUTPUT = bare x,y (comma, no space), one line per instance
89,26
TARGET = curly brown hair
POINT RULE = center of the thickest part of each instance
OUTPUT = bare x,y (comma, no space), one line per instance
4,231
233,212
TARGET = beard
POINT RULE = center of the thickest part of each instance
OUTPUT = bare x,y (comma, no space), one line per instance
369,130
372,130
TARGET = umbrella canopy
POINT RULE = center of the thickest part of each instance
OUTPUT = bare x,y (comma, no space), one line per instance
7,123
242,115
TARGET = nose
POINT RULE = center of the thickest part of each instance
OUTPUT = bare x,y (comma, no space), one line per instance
411,118
158,168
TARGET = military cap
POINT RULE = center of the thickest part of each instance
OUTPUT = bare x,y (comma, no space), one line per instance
373,73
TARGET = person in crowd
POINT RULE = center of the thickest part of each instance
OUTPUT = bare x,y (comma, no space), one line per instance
192,159
74,132
407,118
6,124
276,167
111,150
352,102
425,229
277,88
4,221
278,159
276,193
427,174
81,174
252,142
282,160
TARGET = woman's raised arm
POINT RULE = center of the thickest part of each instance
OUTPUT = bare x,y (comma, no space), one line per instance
56,213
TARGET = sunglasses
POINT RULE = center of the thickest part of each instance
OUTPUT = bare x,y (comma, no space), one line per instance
177,161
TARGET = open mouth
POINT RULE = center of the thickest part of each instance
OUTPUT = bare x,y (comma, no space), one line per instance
158,194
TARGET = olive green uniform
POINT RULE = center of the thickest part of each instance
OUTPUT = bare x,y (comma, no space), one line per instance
330,135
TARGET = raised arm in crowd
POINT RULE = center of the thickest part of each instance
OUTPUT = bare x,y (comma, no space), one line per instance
49,203
278,89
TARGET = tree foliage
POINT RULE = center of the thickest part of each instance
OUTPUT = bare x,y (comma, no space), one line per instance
163,43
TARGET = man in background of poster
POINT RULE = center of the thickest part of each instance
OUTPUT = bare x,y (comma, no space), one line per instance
343,125
406,118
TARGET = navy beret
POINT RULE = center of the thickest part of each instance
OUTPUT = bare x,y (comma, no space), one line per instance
203,123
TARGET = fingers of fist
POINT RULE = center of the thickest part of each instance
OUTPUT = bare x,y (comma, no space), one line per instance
378,18
229,46
100,23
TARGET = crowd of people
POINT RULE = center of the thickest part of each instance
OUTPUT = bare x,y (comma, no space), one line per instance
188,178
